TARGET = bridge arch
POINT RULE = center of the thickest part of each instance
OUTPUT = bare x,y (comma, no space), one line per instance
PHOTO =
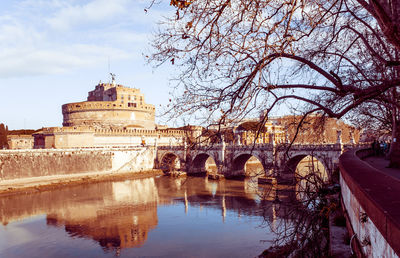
170,162
246,164
203,163
305,167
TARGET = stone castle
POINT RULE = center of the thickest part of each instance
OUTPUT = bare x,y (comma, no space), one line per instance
112,116
110,106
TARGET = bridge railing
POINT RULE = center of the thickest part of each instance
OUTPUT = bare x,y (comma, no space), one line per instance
322,146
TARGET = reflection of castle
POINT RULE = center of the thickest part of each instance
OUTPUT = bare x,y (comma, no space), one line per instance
122,220
121,214
112,227
115,214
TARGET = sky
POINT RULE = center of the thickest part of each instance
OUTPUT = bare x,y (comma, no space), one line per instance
54,52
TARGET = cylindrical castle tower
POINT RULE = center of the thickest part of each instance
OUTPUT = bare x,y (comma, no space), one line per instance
110,105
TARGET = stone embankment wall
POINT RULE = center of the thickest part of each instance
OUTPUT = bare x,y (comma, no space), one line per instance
15,164
371,200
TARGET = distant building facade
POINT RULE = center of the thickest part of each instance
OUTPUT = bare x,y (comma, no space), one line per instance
317,129
252,132
19,142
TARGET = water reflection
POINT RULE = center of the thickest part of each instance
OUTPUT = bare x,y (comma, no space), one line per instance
123,220
121,215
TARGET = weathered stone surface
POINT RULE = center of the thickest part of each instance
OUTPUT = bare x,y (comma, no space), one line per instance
230,159
37,163
16,142
338,237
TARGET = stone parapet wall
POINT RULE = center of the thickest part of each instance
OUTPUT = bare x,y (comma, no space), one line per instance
19,164
371,201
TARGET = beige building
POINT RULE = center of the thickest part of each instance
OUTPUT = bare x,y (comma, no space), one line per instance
250,132
317,129
108,106
18,142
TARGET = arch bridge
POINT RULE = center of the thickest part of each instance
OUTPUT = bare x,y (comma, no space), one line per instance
230,160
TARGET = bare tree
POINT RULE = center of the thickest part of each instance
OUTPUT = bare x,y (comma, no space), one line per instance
241,57
374,116
386,13
300,214
236,58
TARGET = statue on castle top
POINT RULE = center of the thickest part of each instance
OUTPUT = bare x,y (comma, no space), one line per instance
112,78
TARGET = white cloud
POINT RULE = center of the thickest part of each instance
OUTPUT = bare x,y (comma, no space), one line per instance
48,46
14,33
30,45
95,11
29,61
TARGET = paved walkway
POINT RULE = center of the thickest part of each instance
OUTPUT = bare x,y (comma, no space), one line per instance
382,164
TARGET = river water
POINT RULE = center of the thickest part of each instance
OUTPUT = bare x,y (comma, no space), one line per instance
157,216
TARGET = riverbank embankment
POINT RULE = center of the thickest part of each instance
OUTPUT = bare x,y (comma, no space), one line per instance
37,170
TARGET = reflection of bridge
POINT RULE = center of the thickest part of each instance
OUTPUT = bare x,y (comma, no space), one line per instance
276,159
